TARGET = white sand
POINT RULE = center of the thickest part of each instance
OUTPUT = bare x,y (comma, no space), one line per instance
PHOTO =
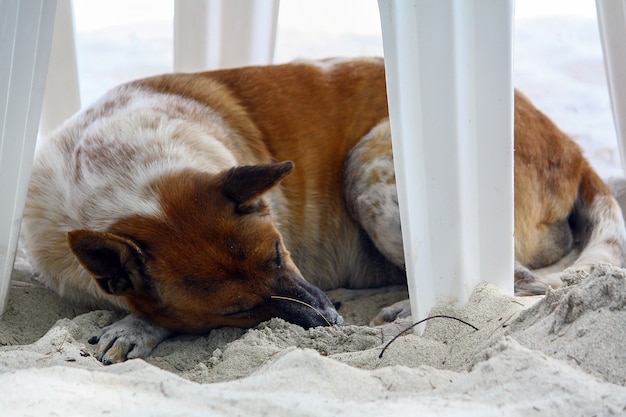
556,355
563,356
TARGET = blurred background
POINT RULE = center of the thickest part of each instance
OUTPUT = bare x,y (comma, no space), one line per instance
557,60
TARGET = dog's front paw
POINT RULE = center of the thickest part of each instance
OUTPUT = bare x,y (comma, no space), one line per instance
129,338
399,310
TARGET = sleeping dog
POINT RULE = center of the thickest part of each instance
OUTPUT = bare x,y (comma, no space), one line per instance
195,201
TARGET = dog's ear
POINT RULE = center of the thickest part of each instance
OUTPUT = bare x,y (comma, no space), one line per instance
114,261
245,184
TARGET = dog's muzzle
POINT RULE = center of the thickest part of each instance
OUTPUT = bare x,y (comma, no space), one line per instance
304,304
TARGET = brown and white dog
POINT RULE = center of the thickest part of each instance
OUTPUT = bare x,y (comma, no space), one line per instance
175,198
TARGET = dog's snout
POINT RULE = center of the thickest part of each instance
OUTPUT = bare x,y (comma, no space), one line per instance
306,315
306,305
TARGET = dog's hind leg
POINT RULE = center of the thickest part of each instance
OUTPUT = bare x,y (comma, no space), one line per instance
597,225
371,198
600,223
550,244
370,192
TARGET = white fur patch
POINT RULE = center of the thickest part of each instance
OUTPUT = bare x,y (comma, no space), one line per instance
99,167
607,242
113,160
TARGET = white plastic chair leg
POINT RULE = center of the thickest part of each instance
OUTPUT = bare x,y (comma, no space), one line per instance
612,25
62,95
24,52
213,34
451,99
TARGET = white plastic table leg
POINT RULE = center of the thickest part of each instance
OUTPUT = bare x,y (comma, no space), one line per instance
62,95
451,99
212,34
612,25
24,52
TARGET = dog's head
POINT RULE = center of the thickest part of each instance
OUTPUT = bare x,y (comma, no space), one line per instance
213,258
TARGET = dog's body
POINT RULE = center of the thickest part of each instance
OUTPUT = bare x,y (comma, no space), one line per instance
167,193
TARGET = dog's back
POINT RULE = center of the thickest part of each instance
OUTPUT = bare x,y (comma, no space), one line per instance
312,113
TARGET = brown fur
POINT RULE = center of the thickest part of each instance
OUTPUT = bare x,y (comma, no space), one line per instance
279,117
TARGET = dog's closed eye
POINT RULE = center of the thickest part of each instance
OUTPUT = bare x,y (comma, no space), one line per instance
279,256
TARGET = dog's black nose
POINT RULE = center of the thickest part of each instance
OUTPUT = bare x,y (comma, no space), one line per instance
306,305
334,318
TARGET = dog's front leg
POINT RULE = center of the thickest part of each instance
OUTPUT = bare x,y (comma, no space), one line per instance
129,338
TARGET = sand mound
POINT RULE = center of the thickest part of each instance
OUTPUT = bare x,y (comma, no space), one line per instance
561,354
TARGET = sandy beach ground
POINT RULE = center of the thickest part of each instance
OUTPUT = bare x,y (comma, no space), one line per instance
562,354
559,355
